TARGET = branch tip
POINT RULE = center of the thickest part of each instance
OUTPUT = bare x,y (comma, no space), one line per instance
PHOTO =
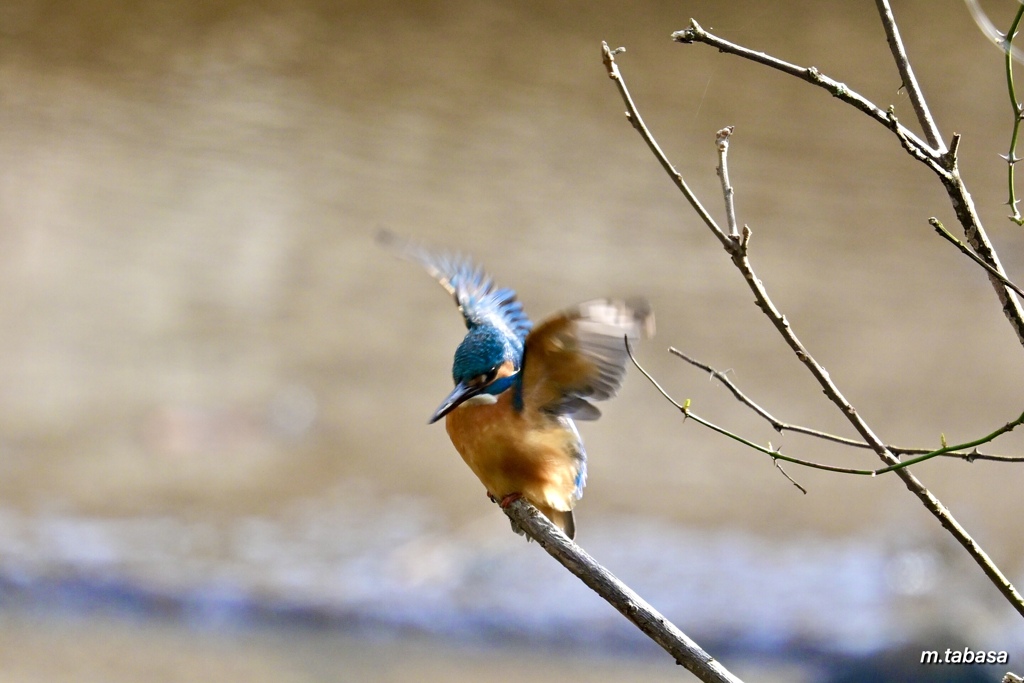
689,34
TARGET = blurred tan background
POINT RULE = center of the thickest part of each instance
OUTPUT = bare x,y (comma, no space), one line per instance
210,375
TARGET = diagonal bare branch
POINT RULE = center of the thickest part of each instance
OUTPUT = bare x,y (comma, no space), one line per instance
686,652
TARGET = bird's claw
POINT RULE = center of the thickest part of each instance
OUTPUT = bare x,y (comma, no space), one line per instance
509,499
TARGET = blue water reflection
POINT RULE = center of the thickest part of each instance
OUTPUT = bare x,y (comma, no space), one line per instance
336,562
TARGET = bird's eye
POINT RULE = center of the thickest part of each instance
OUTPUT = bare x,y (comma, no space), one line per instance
484,379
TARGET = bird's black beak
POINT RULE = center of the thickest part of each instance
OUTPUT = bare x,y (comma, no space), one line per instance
462,392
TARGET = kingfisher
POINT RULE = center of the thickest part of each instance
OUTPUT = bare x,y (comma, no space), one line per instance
519,388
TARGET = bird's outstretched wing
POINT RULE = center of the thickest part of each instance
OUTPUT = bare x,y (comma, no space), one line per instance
478,299
580,356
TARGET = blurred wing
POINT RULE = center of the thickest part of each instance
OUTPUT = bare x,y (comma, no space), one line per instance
580,356
478,299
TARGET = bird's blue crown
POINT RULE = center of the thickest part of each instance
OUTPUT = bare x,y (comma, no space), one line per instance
483,349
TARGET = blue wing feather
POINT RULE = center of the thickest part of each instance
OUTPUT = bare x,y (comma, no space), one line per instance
479,301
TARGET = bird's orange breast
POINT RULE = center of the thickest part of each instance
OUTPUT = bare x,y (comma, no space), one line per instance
515,452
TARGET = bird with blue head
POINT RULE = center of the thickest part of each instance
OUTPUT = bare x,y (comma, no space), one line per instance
519,388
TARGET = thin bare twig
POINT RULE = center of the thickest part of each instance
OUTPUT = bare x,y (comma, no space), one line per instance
737,249
694,33
946,234
778,466
722,140
781,426
638,123
777,424
899,54
659,629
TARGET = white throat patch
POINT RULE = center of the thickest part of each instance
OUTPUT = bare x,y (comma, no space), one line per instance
480,400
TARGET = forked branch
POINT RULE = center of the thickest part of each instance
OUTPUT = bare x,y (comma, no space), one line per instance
936,157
